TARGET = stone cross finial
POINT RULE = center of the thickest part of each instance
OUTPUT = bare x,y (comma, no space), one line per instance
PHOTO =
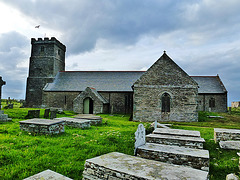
1,84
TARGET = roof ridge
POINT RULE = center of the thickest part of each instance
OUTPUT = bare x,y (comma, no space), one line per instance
203,76
102,71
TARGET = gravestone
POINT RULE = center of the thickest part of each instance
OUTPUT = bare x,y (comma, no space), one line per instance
53,113
33,114
46,113
139,137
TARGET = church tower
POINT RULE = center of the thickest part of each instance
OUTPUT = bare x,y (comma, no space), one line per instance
47,59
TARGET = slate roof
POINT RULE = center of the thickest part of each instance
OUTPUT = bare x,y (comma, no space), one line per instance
119,81
209,84
100,80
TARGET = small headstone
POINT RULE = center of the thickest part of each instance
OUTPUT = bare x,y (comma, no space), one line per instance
53,114
139,137
33,114
46,113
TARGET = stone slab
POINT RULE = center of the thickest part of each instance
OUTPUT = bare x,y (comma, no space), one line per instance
88,116
230,145
226,134
196,158
177,132
48,175
42,126
95,120
73,122
38,121
186,141
121,166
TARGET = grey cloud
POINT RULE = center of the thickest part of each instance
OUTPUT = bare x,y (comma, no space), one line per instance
12,46
119,21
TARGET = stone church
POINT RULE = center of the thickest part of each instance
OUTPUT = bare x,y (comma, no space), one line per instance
163,92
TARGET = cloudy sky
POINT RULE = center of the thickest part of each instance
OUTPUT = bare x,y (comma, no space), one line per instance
201,36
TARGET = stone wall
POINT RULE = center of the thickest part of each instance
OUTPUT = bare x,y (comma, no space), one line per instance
148,105
119,102
220,102
62,100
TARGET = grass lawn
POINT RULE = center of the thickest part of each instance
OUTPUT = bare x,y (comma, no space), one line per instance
23,154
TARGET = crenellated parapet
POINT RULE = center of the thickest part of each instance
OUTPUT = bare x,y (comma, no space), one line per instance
47,40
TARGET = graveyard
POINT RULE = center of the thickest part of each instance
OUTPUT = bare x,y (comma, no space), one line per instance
24,154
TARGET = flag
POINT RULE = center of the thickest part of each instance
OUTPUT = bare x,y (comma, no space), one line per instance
37,26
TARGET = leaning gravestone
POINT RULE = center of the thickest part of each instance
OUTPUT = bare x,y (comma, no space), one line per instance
139,137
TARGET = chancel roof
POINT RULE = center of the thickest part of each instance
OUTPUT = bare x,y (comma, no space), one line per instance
119,81
209,84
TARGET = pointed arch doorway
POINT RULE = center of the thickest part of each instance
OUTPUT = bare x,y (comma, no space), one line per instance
87,106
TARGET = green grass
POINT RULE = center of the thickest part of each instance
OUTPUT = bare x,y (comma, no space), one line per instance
23,154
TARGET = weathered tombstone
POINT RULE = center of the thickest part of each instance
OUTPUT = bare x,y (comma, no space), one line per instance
139,137
53,113
46,113
33,114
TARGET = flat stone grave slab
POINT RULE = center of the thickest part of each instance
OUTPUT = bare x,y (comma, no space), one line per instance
74,122
42,126
48,175
196,158
177,132
226,134
186,141
93,118
230,145
121,166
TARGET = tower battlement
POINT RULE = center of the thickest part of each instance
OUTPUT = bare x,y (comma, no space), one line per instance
47,40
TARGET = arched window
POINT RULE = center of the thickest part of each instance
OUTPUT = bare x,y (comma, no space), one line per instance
212,103
166,102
